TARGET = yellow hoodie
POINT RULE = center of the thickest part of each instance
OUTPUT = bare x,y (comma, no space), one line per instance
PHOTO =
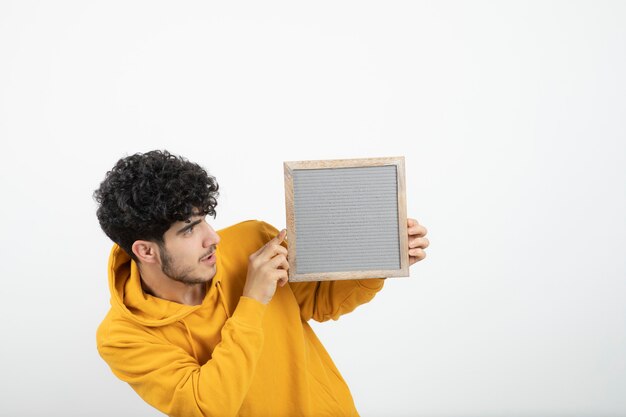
231,355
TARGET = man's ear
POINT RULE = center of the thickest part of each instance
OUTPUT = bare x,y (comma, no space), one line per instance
145,251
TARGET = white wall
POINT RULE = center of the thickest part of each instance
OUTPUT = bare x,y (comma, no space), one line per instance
511,116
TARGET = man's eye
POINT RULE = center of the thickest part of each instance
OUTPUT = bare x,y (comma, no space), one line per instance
188,231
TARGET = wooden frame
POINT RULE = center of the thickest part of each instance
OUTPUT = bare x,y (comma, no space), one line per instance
325,220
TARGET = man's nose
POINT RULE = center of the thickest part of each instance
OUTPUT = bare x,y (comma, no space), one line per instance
211,238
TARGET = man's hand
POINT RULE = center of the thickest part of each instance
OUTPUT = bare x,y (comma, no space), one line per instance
267,267
417,241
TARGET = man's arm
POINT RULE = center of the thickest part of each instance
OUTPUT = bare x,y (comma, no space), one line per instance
327,300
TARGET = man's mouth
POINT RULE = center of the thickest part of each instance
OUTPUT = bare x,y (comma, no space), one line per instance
207,256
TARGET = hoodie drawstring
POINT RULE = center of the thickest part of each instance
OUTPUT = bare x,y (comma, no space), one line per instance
223,299
193,348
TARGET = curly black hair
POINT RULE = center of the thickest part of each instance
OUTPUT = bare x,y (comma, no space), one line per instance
144,194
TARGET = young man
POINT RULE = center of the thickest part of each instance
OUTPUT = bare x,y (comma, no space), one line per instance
205,323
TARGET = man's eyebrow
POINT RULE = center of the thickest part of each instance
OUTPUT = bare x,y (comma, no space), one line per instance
188,226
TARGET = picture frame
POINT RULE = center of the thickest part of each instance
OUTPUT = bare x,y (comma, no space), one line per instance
346,219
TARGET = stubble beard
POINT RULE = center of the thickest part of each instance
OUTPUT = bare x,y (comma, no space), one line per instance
180,274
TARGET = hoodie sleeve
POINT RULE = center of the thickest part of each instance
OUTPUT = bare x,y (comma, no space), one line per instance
326,300
172,381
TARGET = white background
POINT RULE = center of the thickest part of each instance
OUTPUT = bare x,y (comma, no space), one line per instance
511,116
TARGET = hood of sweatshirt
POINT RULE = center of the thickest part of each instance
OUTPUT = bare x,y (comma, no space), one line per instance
128,297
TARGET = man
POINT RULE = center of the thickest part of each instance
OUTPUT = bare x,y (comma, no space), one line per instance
205,323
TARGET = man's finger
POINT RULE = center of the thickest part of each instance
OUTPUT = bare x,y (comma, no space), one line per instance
281,236
278,239
417,230
416,255
419,242
275,244
283,278
280,261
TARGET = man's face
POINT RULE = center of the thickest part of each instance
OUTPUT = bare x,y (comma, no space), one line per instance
188,251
